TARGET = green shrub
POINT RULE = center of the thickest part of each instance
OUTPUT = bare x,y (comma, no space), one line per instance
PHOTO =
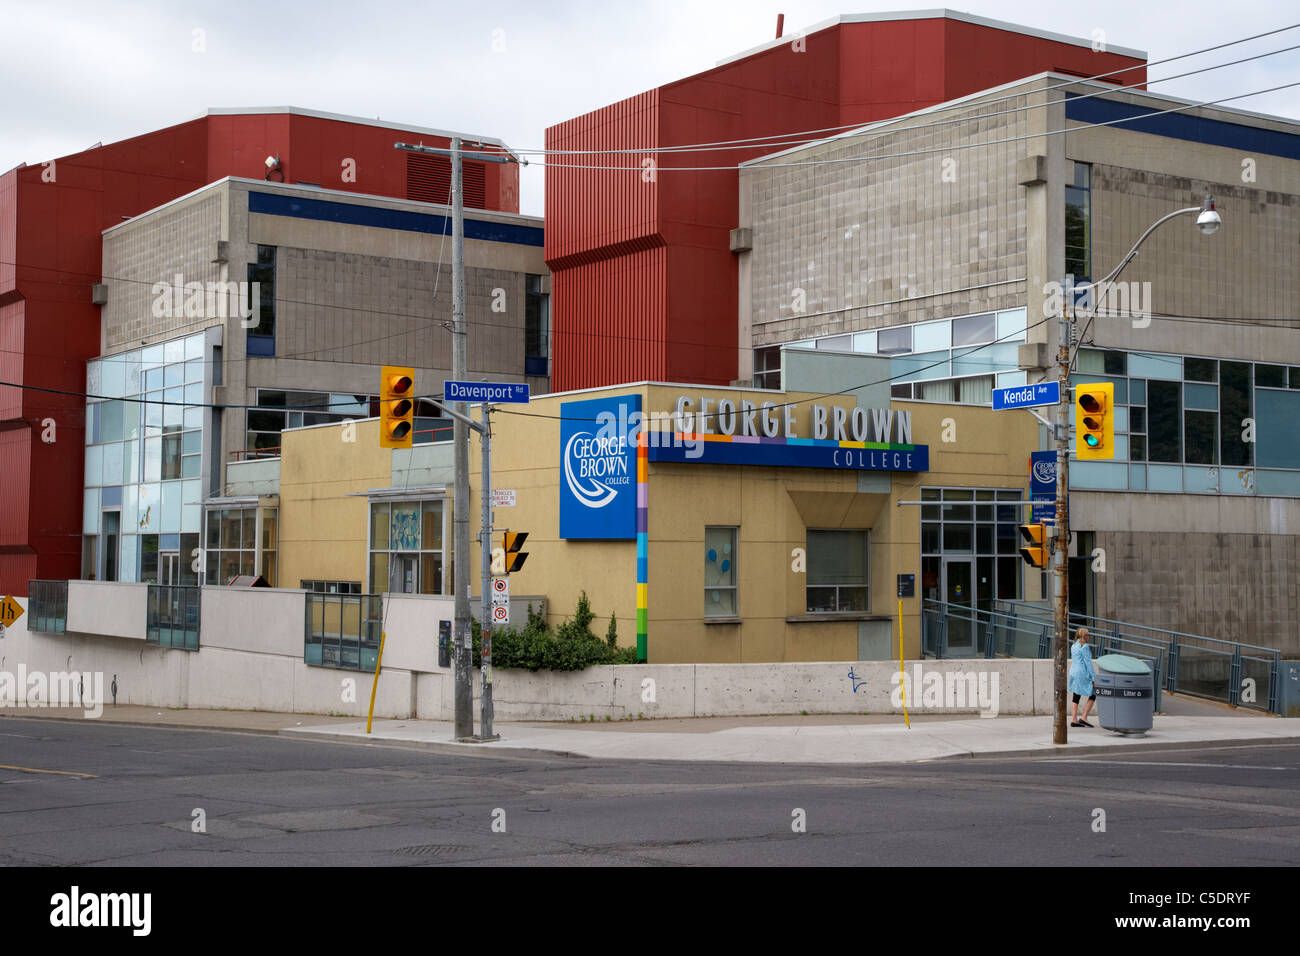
571,647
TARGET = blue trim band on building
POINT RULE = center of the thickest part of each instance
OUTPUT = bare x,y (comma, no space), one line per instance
356,214
797,453
1194,129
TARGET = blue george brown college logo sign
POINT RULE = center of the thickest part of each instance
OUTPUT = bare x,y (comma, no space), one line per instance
598,467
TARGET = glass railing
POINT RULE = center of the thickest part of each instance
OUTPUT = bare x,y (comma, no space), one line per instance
342,630
173,616
47,606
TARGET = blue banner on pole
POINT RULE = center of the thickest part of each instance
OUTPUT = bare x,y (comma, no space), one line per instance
1042,485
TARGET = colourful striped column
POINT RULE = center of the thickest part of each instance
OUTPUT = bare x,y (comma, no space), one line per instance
642,543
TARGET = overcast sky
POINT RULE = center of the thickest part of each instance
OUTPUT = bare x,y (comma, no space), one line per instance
74,74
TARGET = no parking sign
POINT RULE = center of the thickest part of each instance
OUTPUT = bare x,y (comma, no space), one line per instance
500,600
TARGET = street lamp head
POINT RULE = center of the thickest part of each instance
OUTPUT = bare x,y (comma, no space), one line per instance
1208,220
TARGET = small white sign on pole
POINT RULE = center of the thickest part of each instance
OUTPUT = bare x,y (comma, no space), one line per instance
501,614
503,497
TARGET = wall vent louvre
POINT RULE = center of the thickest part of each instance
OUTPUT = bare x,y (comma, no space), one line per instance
428,179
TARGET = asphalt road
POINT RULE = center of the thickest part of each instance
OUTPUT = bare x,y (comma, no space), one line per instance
80,793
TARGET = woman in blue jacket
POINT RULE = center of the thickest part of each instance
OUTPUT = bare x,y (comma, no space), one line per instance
1081,676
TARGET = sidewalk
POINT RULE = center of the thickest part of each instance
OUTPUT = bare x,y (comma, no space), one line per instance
862,742
832,739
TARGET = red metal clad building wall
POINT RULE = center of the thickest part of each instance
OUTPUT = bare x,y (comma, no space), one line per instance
51,219
625,321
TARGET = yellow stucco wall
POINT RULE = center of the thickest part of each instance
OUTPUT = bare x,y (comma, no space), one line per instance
322,528
323,531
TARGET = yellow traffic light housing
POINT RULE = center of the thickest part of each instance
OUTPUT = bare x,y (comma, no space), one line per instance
514,540
1035,550
396,407
1094,422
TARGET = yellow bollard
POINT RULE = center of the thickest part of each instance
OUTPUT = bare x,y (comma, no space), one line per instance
902,685
375,685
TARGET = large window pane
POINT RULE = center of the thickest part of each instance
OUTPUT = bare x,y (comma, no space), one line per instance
406,526
1164,421
431,518
1276,428
894,341
379,521
974,329
1234,409
230,525
430,574
1201,432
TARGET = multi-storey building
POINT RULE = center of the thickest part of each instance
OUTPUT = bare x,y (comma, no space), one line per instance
944,240
247,307
52,219
640,244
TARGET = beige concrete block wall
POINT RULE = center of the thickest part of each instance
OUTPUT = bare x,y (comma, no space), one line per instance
1227,585
880,239
179,238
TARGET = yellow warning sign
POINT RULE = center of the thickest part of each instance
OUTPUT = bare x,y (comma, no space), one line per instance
10,611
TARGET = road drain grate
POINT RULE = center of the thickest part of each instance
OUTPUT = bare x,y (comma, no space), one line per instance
429,849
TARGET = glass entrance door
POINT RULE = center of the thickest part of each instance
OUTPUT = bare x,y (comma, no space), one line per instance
402,570
959,592
169,565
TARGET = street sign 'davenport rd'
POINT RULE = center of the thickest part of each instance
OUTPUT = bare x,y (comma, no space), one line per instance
515,393
1026,396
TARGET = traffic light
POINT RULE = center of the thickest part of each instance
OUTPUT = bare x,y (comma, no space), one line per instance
396,409
514,540
1035,550
1094,428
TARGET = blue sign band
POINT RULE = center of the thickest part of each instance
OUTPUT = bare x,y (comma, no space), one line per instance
790,453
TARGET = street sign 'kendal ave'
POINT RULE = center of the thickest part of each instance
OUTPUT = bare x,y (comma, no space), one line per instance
1025,396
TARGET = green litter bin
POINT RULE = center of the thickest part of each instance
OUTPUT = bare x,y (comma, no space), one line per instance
1125,696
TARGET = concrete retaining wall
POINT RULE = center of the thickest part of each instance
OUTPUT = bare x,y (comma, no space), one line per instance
253,661
717,690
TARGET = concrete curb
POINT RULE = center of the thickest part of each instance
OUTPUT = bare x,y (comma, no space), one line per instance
206,728
436,746
1069,750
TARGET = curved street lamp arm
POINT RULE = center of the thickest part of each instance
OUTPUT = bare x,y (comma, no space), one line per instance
1123,263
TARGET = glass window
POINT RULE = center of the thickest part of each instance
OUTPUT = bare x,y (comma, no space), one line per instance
1234,409
1201,437
929,336
1078,224
431,528
837,571
1201,396
1276,427
1270,376
1164,421
1200,370
171,456
836,343
720,572
894,341
974,329
406,526
231,522
379,521
406,543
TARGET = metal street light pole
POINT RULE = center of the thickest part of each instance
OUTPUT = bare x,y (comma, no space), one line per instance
1208,221
462,668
